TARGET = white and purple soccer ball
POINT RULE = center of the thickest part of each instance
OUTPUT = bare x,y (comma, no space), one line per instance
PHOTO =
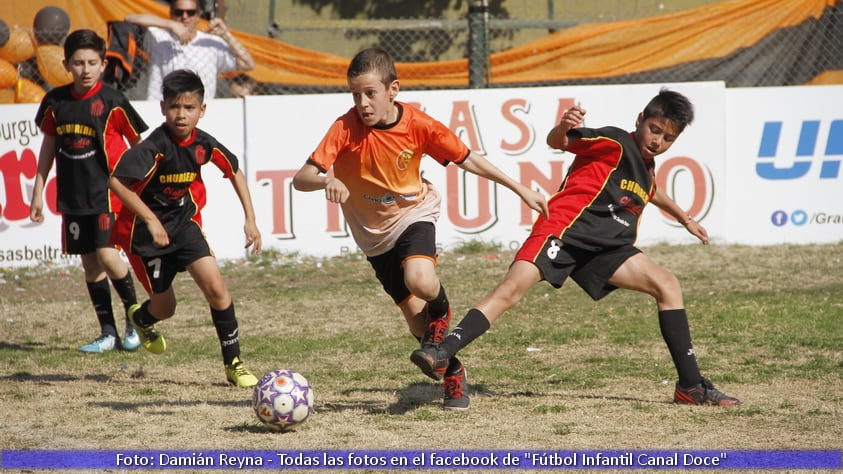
283,399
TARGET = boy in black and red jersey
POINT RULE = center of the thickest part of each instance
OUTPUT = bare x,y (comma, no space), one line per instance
86,126
590,235
160,183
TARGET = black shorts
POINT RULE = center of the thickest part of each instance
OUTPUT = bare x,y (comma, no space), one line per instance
590,270
157,273
82,234
419,240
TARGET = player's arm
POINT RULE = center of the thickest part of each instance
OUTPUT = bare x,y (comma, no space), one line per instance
558,136
253,235
133,202
668,205
480,166
310,178
46,157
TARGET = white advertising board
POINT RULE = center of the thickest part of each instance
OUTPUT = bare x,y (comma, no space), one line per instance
509,127
783,163
757,166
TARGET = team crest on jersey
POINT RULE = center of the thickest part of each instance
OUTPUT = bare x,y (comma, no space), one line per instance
199,153
97,108
403,159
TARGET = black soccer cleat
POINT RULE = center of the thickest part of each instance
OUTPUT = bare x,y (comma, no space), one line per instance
432,360
703,393
455,387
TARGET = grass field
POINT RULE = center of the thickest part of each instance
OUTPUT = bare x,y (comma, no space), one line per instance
557,372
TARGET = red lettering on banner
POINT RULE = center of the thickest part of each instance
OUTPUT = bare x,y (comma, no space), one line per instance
15,206
530,175
279,182
526,132
458,198
464,125
703,194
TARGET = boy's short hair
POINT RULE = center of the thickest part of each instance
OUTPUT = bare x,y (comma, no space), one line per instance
182,81
671,105
374,60
83,39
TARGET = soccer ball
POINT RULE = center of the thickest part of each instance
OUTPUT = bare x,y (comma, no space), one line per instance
283,399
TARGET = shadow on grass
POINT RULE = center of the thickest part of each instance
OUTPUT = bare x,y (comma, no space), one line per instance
26,346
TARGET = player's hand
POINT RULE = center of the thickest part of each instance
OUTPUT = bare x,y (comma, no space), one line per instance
697,231
36,209
159,235
253,237
536,201
573,117
335,191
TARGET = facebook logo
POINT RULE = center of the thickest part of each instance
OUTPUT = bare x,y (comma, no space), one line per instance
797,218
806,149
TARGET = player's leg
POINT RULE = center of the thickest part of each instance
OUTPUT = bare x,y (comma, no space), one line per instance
156,274
79,238
642,274
520,277
118,272
209,279
421,279
99,293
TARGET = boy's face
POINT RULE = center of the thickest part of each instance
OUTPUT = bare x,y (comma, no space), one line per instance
86,68
374,100
182,113
655,135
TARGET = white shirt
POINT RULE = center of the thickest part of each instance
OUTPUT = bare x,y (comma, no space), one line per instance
207,55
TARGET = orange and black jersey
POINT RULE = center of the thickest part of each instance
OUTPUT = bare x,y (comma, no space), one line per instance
600,201
381,167
168,179
89,131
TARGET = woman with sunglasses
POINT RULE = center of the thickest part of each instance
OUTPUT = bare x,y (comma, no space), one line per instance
175,43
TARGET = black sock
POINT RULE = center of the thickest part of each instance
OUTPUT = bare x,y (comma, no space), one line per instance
143,317
676,333
228,333
438,307
472,326
126,290
100,293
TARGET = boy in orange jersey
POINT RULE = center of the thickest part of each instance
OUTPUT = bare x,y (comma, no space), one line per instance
375,150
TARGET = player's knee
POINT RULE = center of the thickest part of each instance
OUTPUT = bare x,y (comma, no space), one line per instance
423,286
668,287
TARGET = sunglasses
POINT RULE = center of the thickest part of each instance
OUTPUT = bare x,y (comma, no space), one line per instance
177,13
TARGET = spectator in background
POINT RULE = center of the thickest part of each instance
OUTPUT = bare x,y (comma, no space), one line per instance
241,85
175,43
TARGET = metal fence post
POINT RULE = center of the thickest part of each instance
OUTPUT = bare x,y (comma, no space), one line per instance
478,44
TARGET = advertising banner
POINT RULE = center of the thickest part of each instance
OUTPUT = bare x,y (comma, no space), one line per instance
508,127
785,183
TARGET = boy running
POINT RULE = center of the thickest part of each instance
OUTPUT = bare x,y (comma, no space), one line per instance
160,183
375,150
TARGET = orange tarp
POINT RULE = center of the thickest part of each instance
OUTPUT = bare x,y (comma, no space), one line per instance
591,50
